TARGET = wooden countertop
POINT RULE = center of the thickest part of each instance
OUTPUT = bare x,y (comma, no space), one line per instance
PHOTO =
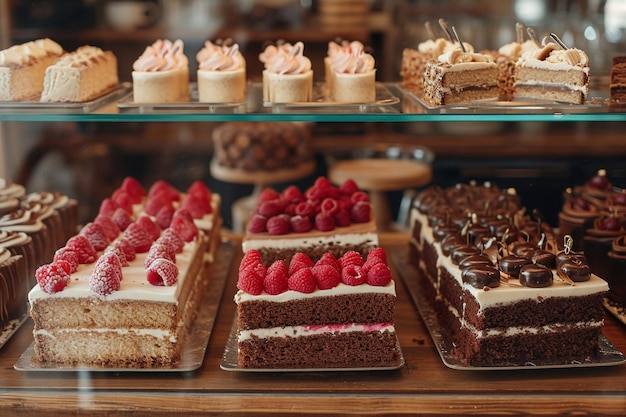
424,385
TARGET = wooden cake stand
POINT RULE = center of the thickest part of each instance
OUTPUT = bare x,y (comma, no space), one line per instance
242,208
377,176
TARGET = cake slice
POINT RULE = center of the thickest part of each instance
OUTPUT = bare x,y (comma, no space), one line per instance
124,291
502,293
553,73
22,68
336,313
80,76
460,77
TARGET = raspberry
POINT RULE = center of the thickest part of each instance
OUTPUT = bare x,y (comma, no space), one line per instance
300,224
379,253
351,258
359,196
252,257
371,261
257,224
378,275
275,281
352,275
322,182
196,206
165,189
305,209
316,193
292,194
113,261
342,218
153,229
250,281
53,277
119,252
83,248
105,279
123,200
121,218
184,213
184,227
164,216
290,209
134,189
360,212
162,272
171,239
278,225
326,276
155,203
69,256
270,208
298,261
138,238
324,222
96,236
158,250
302,281
329,205
349,187
110,229
328,259
267,194
108,207
127,248
200,190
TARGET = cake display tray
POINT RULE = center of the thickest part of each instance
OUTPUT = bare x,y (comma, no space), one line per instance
595,104
11,328
33,104
194,345
192,105
385,99
607,354
618,311
229,360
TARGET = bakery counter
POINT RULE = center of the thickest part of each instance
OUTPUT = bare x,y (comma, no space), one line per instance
423,385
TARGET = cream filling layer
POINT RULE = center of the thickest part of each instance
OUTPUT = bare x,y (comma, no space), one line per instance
156,333
304,331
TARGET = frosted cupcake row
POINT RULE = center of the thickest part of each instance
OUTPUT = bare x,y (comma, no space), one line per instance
161,73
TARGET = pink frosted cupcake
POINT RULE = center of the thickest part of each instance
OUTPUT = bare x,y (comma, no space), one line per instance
287,77
221,73
353,75
161,73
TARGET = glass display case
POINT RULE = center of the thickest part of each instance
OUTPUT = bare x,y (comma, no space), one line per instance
540,149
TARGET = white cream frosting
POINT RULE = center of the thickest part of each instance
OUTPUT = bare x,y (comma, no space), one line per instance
24,54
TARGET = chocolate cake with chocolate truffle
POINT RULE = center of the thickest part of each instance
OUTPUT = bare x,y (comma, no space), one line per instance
503,294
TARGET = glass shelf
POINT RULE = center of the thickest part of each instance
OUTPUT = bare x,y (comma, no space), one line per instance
406,109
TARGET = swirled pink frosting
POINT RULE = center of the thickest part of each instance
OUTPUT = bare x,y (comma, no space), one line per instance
285,59
162,55
352,59
224,57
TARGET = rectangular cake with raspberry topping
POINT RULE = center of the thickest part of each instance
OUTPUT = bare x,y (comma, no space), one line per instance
323,218
501,292
124,291
295,313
